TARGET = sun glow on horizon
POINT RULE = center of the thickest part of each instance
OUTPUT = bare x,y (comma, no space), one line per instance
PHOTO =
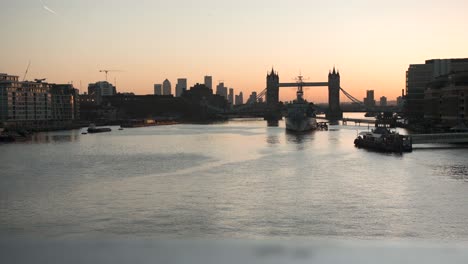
371,43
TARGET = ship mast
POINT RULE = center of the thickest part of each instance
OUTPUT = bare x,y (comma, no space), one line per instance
300,85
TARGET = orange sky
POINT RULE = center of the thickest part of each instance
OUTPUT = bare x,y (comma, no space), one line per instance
370,42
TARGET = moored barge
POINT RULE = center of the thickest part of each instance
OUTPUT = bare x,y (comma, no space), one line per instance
93,129
382,139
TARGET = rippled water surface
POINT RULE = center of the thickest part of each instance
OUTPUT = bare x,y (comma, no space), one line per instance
239,179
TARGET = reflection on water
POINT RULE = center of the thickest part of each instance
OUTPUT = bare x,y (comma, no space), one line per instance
299,137
56,137
272,139
456,171
240,179
272,123
334,122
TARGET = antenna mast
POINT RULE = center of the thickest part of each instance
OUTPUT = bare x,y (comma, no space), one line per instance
300,84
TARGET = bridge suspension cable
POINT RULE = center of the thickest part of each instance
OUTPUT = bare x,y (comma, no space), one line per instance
352,98
261,94
357,101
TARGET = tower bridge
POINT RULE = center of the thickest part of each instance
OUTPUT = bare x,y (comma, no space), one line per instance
334,111
272,108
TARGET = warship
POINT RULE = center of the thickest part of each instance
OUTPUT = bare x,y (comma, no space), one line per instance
300,114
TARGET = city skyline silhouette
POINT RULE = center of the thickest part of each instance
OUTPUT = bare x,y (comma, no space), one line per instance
371,43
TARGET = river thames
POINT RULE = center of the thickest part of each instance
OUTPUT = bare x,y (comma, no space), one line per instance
239,179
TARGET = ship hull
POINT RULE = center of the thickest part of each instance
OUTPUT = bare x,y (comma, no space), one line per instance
301,124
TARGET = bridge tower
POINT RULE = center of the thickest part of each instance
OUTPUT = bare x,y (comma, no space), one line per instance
272,96
334,111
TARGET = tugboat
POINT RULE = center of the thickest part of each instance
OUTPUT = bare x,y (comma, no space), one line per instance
300,115
382,139
93,129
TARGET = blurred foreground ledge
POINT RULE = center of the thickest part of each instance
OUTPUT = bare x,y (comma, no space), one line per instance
20,250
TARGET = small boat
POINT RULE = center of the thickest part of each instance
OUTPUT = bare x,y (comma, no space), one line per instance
382,139
120,128
93,129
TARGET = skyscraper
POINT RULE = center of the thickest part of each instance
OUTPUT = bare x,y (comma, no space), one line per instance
158,89
221,90
209,82
252,98
181,86
240,99
231,96
369,101
383,101
167,87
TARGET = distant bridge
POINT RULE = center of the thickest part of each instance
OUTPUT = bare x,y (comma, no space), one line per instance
270,95
357,121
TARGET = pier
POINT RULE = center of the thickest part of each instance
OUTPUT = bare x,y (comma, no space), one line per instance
440,138
357,121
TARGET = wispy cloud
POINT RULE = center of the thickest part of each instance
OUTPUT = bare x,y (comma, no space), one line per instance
47,8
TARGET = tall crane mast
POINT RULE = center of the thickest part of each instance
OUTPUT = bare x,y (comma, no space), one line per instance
26,72
106,71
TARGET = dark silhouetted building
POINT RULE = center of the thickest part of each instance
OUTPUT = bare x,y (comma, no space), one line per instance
209,82
221,90
158,89
253,98
65,102
181,86
239,99
369,101
418,78
129,106
100,89
103,88
446,99
202,102
383,101
231,96
167,88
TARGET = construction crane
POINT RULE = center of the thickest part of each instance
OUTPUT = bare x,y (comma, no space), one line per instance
106,71
26,72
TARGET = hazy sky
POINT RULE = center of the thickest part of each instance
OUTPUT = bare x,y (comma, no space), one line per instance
370,42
